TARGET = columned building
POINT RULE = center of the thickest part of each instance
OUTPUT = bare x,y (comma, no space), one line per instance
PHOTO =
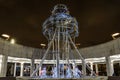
15,62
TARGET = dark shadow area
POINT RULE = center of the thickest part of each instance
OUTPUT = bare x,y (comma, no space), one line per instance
7,78
113,77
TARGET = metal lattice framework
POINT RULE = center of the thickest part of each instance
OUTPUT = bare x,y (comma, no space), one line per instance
61,19
60,29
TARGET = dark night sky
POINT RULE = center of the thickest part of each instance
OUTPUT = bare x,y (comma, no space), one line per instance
23,19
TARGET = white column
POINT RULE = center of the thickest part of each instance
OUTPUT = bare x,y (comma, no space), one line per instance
22,68
3,66
109,66
0,66
96,69
83,67
91,67
15,69
12,69
112,66
39,70
32,66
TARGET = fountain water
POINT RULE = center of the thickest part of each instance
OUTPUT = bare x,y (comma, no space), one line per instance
68,72
43,74
54,71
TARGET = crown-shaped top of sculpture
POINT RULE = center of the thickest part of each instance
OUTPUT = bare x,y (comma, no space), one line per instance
61,19
60,8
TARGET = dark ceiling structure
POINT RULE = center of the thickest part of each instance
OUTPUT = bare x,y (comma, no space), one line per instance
23,19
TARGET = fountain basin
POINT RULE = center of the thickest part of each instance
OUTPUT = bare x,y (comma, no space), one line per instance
86,78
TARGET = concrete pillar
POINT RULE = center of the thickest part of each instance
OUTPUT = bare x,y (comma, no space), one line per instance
112,67
39,71
15,69
0,65
3,66
12,70
21,70
32,66
96,69
91,67
109,66
84,67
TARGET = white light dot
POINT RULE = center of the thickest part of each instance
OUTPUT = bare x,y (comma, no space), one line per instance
12,41
5,35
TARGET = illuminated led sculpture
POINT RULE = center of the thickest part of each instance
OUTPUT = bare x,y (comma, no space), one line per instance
60,29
